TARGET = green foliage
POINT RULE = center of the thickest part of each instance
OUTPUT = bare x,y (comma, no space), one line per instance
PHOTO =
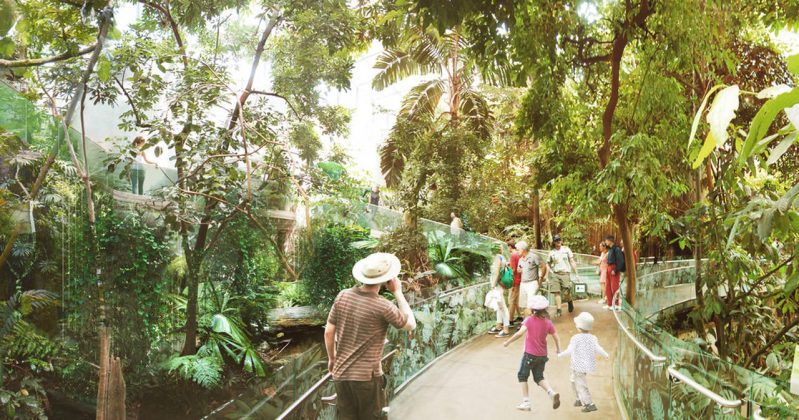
329,266
410,246
292,294
25,351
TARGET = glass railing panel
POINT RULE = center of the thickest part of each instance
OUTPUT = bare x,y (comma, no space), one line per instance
642,379
442,323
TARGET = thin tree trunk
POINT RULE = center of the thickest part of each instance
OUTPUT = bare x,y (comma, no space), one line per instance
270,26
536,216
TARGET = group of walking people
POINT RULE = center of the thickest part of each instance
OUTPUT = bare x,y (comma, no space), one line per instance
537,325
358,321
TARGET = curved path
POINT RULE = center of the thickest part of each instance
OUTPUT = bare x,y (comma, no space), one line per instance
478,380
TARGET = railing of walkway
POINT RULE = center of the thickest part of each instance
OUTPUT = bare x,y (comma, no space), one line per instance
659,376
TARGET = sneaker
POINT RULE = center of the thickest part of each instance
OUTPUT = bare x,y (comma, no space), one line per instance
578,403
571,306
589,408
602,301
502,334
494,330
555,401
557,313
606,307
524,406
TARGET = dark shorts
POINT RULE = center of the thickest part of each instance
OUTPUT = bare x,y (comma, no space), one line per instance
360,400
533,364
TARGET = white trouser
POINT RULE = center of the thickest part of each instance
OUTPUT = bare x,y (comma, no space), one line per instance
503,316
580,387
526,292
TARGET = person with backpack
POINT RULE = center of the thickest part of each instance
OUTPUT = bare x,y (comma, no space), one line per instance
516,311
613,277
501,279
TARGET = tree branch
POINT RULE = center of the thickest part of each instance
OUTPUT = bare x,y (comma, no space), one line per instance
45,60
771,342
764,277
135,110
173,25
259,50
294,110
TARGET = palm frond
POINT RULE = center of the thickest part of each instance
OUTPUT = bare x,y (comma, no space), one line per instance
394,65
475,111
392,162
420,104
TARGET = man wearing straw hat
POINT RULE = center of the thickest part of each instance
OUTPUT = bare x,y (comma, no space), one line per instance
356,332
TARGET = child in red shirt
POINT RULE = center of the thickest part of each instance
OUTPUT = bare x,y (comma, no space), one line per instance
537,327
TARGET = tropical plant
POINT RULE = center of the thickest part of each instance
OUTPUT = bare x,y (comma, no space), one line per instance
329,265
25,351
444,112
224,338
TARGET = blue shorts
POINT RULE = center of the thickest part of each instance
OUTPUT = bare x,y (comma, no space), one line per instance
534,364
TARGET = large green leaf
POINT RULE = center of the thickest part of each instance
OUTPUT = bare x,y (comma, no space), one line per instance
793,63
8,14
781,148
707,149
764,118
721,112
699,113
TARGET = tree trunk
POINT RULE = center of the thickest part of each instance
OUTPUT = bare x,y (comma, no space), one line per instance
536,216
192,280
629,255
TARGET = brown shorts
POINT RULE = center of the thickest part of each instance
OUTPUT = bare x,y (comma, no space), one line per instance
360,400
559,282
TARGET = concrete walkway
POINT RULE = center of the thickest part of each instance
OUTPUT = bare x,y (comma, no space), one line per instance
478,381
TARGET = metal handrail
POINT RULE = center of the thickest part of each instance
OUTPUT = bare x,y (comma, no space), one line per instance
652,356
758,415
316,387
718,399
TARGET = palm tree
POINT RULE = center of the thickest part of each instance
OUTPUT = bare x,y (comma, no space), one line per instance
445,99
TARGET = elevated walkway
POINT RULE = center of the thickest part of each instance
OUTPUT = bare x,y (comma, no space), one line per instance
478,380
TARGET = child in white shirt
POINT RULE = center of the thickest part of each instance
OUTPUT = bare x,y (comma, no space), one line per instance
583,349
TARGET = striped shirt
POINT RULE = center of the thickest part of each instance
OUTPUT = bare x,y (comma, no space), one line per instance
361,321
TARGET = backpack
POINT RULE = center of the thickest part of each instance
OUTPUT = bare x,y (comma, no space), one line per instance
620,263
505,275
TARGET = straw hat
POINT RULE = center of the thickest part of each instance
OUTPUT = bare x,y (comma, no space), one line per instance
584,321
377,268
538,303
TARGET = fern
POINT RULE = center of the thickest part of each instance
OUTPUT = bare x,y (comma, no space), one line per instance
205,371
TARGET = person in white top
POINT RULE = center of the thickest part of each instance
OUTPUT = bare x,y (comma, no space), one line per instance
137,170
560,263
456,227
583,349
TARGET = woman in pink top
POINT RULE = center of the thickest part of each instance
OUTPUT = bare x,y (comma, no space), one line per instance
537,327
602,262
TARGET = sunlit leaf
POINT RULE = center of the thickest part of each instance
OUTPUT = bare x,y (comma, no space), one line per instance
781,148
707,149
764,118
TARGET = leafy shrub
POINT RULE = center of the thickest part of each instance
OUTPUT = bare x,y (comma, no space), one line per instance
410,246
292,294
25,352
329,267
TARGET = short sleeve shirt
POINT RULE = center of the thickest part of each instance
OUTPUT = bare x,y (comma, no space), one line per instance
537,330
361,321
514,264
559,260
528,265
